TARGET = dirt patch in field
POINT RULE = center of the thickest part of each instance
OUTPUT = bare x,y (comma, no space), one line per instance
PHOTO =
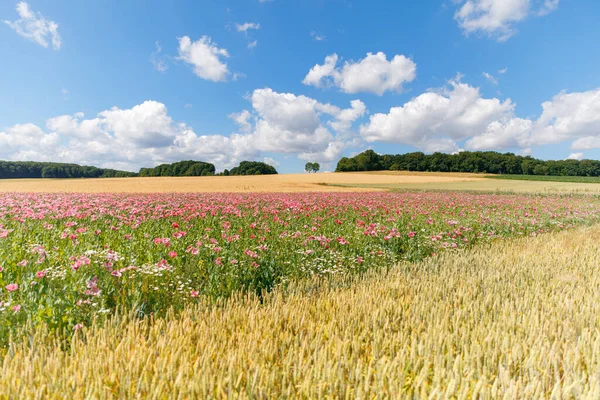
263,183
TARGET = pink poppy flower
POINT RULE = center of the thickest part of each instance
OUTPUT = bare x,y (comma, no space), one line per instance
12,287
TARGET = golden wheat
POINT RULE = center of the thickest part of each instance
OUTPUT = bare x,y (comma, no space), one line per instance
262,183
338,182
516,319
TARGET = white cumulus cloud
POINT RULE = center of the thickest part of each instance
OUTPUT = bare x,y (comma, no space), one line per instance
146,135
374,73
570,116
567,117
206,58
435,120
447,119
242,119
287,123
330,155
345,118
24,141
496,18
510,133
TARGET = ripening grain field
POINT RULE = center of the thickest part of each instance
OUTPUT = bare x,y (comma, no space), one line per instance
284,183
299,294
512,320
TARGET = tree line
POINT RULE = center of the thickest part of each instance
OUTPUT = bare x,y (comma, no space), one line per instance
251,168
468,161
34,169
181,168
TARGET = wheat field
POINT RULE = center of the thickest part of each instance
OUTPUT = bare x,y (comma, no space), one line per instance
457,325
262,183
290,183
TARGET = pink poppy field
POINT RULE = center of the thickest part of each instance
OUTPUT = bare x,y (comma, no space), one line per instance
69,259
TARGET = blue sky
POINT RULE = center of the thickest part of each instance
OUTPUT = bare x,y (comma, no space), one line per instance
137,83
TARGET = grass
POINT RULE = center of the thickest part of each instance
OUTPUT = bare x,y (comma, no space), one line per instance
461,175
453,326
544,178
482,185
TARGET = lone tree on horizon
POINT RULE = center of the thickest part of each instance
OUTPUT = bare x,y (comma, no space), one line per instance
312,167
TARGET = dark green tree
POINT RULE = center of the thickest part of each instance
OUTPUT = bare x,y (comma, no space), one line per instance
467,161
34,169
312,167
253,168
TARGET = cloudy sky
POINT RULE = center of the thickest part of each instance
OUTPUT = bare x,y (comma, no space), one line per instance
126,84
